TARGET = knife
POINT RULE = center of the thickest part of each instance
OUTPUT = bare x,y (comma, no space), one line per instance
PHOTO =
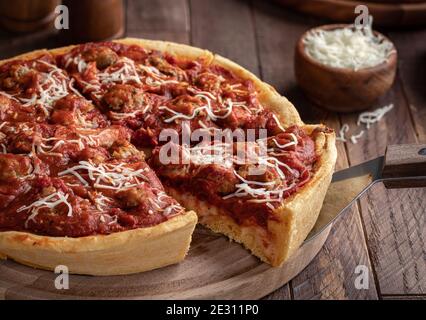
402,166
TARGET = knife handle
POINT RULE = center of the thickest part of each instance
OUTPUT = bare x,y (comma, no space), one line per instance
405,161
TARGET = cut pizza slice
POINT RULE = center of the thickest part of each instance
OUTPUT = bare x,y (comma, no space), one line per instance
108,219
268,200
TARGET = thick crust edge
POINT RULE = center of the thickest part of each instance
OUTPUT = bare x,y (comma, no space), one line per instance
124,252
296,216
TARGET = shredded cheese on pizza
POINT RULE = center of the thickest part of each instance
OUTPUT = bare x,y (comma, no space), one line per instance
222,154
50,202
107,176
101,202
40,147
124,74
52,86
260,193
289,144
207,108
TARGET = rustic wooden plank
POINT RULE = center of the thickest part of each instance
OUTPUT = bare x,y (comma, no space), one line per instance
283,293
411,48
225,27
394,219
331,274
158,20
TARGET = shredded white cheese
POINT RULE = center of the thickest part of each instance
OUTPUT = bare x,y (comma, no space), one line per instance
50,202
52,86
342,132
3,147
371,117
367,118
354,138
348,47
107,176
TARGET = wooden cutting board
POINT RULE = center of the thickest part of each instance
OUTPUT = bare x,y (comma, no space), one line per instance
385,12
215,268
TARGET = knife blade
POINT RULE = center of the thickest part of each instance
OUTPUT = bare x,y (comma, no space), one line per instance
402,166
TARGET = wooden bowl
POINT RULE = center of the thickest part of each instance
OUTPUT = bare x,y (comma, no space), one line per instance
342,89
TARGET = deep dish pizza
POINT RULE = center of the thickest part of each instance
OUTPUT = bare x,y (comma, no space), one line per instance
83,181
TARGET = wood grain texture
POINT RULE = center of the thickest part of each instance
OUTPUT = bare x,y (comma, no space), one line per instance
394,220
402,161
412,69
225,27
158,20
241,276
12,45
331,274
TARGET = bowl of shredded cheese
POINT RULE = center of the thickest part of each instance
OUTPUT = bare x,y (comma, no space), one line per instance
343,68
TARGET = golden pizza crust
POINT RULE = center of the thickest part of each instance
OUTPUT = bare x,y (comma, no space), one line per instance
167,243
268,96
124,252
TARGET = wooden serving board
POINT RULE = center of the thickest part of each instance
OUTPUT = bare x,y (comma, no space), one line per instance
385,12
215,268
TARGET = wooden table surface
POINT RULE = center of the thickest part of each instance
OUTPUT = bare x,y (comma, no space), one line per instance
385,230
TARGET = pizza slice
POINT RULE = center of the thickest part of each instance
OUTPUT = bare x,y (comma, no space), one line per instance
255,198
72,194
106,219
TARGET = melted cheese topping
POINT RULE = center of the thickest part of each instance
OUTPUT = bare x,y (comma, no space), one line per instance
126,73
222,155
51,201
210,113
40,147
52,86
266,195
107,176
101,202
